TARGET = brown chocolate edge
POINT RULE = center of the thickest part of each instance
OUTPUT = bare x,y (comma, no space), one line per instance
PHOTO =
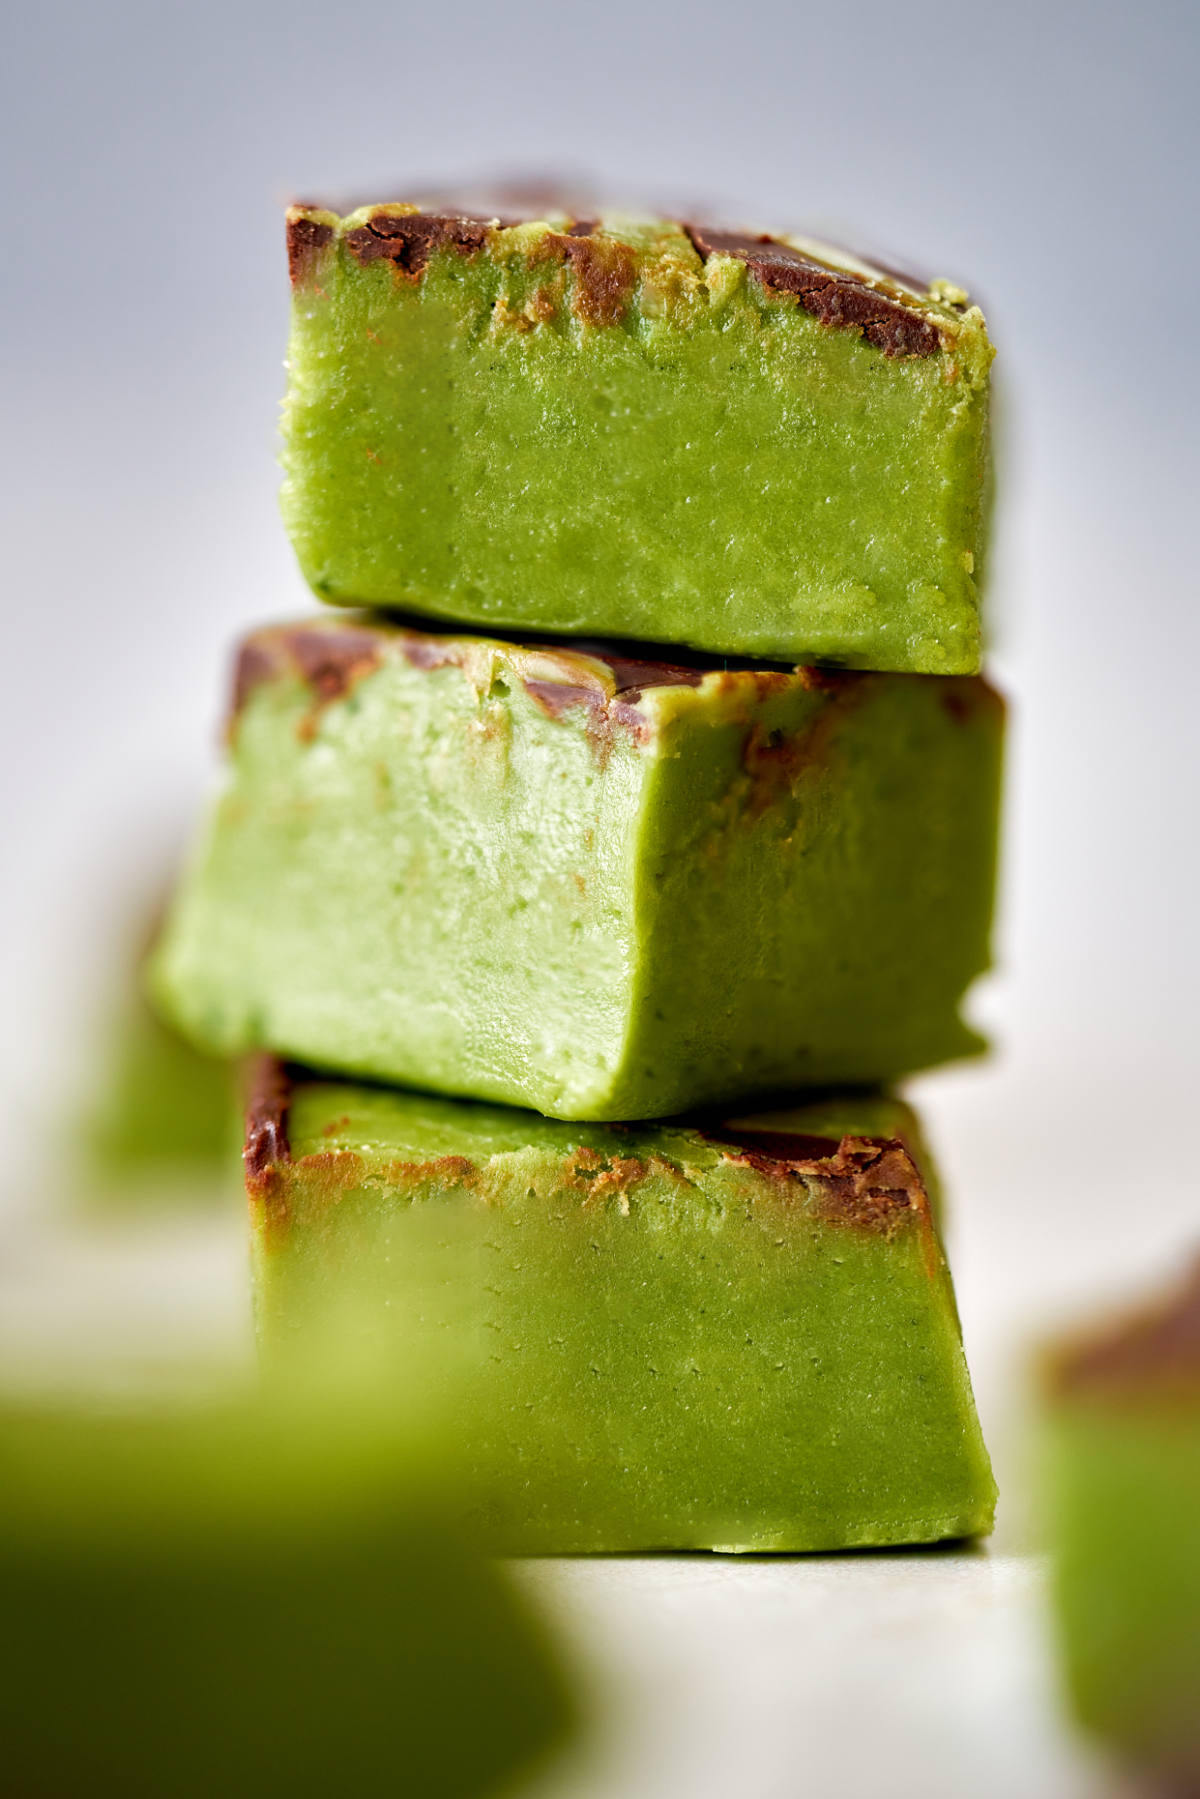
871,1182
605,270
407,240
306,238
253,664
632,675
332,659
835,297
268,1087
605,273
1156,1346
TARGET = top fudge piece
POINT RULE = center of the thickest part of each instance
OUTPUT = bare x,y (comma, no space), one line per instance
644,428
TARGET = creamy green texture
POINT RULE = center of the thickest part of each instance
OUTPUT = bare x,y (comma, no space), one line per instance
644,444
497,877
661,1339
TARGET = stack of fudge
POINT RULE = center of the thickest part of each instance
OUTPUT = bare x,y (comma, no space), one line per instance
587,889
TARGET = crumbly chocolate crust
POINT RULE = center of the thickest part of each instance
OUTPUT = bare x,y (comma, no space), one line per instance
332,658
408,239
871,1182
306,238
879,306
1153,1349
268,1102
836,297
605,273
332,661
609,679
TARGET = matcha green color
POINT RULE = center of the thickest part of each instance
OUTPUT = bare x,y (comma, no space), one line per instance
152,1126
740,1338
609,432
157,1124
207,1604
598,887
1123,1434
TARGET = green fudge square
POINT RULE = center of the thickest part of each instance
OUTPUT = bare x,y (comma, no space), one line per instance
242,1601
598,886
639,428
731,1335
1123,1428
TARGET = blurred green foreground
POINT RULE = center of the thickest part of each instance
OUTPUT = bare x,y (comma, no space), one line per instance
241,1601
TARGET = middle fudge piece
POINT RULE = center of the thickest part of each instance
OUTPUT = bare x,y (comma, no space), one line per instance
600,887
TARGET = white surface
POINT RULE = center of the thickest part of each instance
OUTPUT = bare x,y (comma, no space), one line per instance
865,1677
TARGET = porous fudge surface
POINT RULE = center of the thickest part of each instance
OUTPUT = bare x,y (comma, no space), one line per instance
735,1335
220,1603
1124,1440
594,885
637,427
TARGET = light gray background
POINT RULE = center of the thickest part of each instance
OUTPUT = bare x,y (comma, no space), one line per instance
1044,154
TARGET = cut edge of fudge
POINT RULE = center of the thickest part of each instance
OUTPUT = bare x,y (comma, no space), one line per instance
331,655
872,1182
899,314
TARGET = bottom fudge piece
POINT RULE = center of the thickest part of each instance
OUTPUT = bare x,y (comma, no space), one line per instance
207,1605
1124,1442
738,1334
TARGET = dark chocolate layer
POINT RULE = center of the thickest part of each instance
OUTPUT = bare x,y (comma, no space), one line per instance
306,238
868,1182
881,306
871,1182
834,296
268,1102
605,273
332,657
408,239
